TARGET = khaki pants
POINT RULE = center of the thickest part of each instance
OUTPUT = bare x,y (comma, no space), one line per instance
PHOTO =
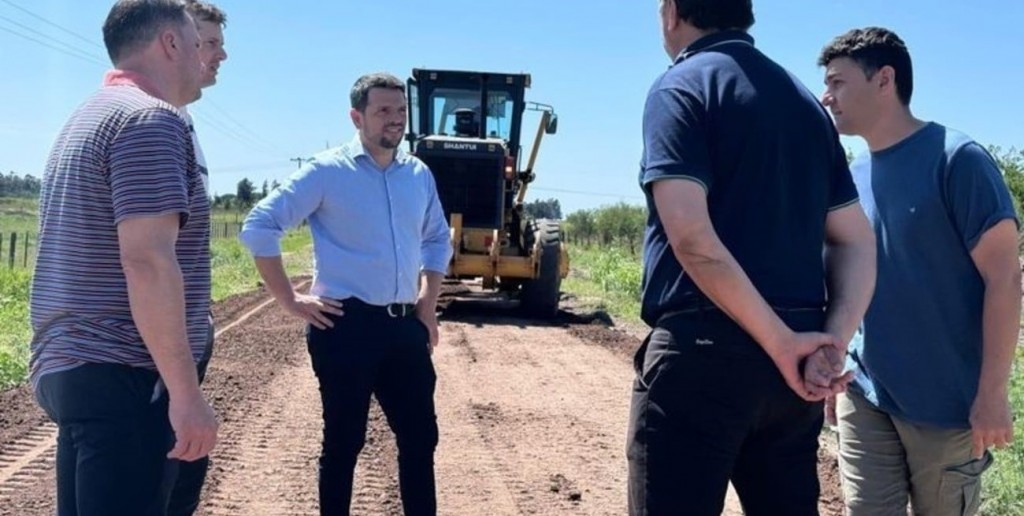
884,461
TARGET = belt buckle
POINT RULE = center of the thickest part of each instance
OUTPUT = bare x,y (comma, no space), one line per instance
393,314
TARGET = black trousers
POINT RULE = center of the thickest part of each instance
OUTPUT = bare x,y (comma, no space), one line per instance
189,477
368,351
112,440
709,406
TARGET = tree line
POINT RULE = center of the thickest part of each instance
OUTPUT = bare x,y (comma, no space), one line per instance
619,224
245,196
623,224
13,185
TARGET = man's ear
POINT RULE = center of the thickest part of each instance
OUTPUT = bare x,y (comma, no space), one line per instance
169,43
671,15
886,79
357,118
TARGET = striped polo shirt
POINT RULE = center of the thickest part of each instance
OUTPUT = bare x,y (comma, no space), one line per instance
123,154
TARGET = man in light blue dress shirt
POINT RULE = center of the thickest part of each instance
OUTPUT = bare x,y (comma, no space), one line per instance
378,230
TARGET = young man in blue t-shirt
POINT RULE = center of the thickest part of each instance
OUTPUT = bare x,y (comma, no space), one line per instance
930,393
747,184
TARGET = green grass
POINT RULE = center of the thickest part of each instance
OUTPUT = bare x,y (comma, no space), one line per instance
605,279
17,215
233,273
1004,482
14,326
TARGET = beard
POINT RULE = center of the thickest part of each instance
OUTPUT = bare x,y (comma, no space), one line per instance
388,143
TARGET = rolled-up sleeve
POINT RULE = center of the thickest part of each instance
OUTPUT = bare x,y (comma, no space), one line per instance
281,210
436,247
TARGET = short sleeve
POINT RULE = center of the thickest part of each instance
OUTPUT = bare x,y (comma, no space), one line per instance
148,164
976,194
675,138
842,190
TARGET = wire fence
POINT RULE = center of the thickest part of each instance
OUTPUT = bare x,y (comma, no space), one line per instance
19,248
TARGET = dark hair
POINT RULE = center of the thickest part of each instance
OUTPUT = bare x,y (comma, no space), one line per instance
132,24
873,48
205,11
716,14
361,89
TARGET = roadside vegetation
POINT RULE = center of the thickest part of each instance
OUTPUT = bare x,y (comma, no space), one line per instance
233,272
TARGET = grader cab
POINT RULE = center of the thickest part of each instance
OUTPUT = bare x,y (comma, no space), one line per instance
466,126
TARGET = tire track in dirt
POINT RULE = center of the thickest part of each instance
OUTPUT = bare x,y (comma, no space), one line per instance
266,464
23,463
532,419
467,465
262,384
548,415
29,460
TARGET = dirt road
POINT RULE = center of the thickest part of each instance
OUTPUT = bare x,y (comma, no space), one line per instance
532,419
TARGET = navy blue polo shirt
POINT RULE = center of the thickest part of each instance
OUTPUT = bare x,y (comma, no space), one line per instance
730,119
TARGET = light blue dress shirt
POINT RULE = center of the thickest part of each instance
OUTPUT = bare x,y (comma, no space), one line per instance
373,230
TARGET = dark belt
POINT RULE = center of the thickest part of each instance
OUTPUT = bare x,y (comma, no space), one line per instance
702,308
391,310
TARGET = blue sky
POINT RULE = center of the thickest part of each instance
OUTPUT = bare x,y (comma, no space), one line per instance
283,93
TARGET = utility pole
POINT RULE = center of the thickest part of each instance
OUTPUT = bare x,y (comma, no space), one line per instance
300,161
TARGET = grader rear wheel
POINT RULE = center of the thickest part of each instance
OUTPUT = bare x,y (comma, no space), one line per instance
539,296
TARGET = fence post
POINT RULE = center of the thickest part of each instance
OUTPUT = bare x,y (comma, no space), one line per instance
13,248
25,258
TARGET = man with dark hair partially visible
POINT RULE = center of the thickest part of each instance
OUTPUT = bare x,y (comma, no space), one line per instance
210,22
121,289
746,183
931,391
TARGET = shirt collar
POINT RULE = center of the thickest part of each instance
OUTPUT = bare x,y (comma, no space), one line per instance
356,149
118,77
714,39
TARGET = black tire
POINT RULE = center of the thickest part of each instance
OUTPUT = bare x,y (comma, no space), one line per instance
539,297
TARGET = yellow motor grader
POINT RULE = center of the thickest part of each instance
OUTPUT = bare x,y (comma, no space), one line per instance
466,126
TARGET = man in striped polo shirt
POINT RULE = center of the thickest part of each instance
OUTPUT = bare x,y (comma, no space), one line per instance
120,293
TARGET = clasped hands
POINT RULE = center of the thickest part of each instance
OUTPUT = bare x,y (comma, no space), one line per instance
812,364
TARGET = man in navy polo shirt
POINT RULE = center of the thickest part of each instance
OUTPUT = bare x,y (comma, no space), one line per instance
747,184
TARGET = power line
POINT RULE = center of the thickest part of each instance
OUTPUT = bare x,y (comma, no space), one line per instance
52,24
245,129
252,142
43,34
592,194
222,128
84,57
257,167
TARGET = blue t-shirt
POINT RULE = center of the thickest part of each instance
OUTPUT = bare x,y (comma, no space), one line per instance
762,146
929,198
